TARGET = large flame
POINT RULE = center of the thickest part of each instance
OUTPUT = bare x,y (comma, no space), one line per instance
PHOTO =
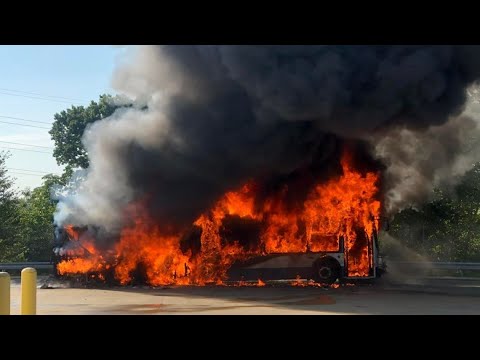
343,207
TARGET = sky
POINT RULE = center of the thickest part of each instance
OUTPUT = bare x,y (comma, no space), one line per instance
36,82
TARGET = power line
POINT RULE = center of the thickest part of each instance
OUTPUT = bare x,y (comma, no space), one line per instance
35,171
50,96
19,173
40,98
15,143
33,126
17,118
41,152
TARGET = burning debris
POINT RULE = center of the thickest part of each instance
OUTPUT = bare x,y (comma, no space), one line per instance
235,152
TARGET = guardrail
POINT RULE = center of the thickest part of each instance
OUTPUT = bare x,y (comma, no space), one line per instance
426,265
39,265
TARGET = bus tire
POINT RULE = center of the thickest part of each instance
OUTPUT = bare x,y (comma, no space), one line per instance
326,270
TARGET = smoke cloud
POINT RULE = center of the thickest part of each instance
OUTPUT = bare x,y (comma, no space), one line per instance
419,161
208,118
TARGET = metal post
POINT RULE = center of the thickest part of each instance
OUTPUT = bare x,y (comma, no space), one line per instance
29,291
4,293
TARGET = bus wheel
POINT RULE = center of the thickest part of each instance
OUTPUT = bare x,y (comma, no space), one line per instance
326,270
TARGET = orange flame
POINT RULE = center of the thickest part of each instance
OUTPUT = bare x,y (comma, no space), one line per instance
343,207
298,282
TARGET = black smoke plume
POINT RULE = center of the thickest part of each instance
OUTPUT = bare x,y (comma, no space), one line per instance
208,118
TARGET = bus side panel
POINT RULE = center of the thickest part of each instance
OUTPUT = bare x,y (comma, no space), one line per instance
237,274
279,267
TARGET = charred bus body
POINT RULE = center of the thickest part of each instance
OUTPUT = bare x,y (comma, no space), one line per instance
62,241
321,266
333,263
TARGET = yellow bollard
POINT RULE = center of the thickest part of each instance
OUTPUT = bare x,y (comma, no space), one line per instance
4,293
29,291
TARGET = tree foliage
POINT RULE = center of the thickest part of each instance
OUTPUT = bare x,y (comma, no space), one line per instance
8,214
69,125
26,219
448,227
35,220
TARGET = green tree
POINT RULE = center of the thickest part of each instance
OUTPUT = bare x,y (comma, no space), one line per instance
9,249
35,220
26,220
68,128
448,227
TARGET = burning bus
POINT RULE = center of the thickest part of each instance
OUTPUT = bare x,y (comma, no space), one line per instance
266,161
328,232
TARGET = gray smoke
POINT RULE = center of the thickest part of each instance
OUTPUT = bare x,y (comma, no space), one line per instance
418,161
207,118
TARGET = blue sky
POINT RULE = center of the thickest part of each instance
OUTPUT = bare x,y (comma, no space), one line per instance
61,76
